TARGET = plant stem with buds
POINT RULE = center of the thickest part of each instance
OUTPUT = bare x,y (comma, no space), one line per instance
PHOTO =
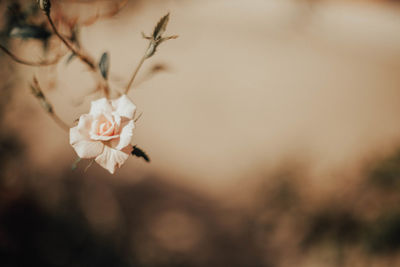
154,41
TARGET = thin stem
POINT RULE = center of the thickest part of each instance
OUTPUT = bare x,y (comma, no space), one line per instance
137,70
89,165
29,63
82,57
138,117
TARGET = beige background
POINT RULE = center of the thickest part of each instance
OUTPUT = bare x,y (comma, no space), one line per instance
250,85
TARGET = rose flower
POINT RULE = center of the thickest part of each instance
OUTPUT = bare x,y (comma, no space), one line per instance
106,132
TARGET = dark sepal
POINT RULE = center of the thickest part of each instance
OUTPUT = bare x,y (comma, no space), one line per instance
140,153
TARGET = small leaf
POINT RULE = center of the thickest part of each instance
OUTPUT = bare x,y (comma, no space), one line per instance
140,153
160,27
104,65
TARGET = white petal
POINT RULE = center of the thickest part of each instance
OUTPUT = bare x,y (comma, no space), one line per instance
85,122
100,106
125,135
111,159
75,136
88,149
84,126
124,107
117,120
79,139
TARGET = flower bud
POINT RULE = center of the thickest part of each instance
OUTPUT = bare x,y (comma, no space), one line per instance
44,5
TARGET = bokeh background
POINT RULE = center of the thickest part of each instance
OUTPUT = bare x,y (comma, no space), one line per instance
273,129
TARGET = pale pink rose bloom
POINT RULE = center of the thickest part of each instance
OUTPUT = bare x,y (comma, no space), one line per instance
106,132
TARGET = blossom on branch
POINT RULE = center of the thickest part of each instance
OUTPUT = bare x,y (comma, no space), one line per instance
105,133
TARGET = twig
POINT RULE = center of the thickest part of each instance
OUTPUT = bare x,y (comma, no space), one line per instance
138,117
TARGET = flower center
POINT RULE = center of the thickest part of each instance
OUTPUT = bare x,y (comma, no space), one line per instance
106,128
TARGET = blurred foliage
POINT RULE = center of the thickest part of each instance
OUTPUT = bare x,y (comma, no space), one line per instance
21,21
383,235
32,237
336,226
386,174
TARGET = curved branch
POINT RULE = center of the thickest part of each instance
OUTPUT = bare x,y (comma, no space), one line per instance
30,63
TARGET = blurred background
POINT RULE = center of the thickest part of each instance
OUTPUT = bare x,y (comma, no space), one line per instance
272,125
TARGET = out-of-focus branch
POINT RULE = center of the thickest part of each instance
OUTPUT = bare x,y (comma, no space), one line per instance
30,63
112,12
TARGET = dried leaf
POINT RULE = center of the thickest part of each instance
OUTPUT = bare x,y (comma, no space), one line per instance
160,27
36,92
46,105
140,153
104,65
